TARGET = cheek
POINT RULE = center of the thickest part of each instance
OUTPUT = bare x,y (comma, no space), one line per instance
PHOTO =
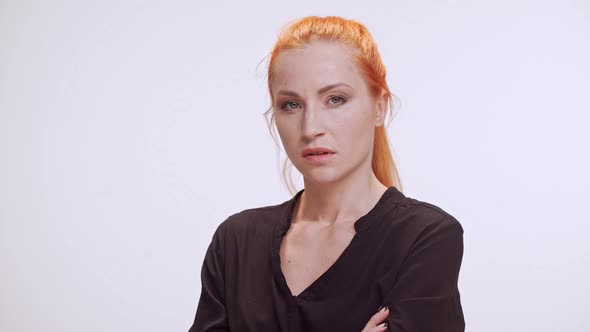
281,125
287,134
357,130
360,141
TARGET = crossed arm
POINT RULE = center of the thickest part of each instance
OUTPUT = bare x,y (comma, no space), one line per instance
424,296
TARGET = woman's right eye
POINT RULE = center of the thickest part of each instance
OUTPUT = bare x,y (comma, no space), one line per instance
285,105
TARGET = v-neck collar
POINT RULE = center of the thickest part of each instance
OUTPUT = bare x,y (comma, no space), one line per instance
386,203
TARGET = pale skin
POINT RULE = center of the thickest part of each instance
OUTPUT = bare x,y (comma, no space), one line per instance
313,109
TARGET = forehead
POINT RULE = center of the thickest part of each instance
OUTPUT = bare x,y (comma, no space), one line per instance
318,63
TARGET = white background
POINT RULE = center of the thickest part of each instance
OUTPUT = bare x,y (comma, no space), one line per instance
130,129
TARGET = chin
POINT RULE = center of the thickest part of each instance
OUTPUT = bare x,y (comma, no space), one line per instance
326,175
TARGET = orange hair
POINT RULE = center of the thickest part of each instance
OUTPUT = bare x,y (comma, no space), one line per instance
355,34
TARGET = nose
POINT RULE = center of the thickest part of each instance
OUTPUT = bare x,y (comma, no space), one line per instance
312,125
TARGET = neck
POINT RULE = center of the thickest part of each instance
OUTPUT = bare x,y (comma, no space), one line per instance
339,202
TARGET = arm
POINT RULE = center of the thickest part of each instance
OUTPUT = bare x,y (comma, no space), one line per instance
425,295
211,315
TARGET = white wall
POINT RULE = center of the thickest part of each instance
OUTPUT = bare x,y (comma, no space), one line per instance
130,129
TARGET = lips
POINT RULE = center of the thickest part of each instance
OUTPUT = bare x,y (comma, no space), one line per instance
318,151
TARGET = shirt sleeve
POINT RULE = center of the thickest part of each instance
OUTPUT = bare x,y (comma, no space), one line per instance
425,295
211,315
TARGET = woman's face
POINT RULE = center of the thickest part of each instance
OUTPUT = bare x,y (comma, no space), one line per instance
322,101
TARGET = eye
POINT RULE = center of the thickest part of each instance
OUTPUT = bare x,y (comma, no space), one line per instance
337,98
285,105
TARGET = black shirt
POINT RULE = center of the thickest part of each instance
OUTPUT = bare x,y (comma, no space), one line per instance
405,254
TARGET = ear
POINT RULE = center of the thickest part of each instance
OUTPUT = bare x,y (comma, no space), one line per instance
381,105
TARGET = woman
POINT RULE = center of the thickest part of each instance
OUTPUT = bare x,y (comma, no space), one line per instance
350,242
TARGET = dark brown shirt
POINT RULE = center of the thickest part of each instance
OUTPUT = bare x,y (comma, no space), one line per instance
405,254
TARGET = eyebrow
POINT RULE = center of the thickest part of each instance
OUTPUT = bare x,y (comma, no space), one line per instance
320,91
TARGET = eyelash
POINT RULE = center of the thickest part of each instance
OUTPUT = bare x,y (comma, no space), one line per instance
283,106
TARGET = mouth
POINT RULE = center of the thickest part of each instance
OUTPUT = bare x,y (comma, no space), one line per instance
317,152
318,157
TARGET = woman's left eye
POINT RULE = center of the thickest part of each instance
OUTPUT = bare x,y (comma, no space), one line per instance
337,98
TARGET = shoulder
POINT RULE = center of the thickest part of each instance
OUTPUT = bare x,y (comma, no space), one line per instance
252,220
420,216
422,228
